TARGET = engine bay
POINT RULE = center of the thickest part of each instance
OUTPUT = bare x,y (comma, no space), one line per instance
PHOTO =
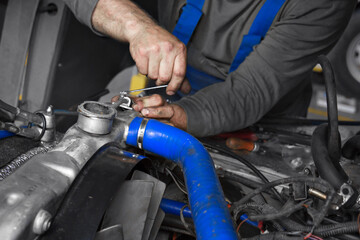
116,175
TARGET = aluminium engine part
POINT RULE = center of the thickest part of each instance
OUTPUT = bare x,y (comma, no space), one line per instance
49,133
42,182
9,168
40,125
95,117
90,194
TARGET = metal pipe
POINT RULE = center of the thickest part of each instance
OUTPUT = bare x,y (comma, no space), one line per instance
317,193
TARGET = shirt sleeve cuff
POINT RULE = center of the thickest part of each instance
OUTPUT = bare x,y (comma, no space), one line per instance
83,10
195,124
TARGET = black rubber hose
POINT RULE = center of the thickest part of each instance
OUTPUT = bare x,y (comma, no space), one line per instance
330,171
334,143
351,148
85,203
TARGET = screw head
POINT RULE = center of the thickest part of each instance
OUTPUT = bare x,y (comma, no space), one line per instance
42,222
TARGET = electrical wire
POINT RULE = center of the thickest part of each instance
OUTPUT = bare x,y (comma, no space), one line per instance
187,227
285,211
312,237
175,181
307,180
43,130
63,112
244,181
239,226
246,163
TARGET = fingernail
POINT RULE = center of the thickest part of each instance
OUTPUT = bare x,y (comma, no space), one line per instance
170,93
145,112
136,107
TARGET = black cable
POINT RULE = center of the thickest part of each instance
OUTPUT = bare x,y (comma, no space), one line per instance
307,180
323,230
249,183
43,130
246,163
284,212
333,229
275,236
61,112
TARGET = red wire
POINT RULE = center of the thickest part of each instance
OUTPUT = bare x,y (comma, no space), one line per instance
310,235
242,222
307,236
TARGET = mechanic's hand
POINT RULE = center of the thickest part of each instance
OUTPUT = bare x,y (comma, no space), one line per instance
157,53
155,106
161,56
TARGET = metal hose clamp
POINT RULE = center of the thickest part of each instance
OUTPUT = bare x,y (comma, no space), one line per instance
141,133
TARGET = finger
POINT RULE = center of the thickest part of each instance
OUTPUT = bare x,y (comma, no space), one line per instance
164,112
185,86
165,70
141,59
154,64
149,101
115,98
178,74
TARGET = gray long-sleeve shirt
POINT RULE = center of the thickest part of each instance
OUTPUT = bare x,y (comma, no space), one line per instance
273,79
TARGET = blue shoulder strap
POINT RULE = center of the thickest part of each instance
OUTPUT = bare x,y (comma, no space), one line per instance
258,30
190,17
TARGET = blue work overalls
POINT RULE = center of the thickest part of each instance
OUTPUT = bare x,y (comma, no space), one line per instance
190,17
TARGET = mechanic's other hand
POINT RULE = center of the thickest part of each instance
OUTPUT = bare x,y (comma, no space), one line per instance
155,106
157,53
161,56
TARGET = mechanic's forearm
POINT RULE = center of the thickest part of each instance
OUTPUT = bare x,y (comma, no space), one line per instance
224,107
120,19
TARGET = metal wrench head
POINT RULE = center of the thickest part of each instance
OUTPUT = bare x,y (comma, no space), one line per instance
123,102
